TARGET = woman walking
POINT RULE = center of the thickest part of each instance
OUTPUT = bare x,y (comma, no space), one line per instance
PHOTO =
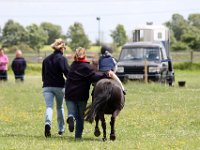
53,68
77,88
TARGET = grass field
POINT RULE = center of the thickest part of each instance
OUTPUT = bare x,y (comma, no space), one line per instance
155,116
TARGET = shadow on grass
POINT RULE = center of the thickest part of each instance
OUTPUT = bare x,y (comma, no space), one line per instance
42,137
22,136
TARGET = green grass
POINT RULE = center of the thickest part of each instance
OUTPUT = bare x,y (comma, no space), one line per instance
187,66
155,116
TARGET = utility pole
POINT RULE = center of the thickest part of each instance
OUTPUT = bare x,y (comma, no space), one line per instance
99,31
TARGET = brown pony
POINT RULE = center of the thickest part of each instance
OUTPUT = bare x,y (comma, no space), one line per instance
107,98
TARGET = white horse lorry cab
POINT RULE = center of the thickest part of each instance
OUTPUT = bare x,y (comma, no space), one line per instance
147,57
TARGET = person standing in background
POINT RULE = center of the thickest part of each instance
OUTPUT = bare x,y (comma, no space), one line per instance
18,66
53,68
3,65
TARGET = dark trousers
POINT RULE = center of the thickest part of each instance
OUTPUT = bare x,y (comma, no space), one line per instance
3,75
76,110
19,77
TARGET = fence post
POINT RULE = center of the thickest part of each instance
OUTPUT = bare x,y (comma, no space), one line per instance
145,72
191,56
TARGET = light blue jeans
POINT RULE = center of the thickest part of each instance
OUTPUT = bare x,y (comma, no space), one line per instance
49,93
76,110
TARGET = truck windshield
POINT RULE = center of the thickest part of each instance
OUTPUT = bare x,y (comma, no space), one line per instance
140,53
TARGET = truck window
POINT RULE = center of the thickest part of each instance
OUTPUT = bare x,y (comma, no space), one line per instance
140,53
153,54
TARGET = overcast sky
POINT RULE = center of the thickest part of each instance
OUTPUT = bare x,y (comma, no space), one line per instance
129,13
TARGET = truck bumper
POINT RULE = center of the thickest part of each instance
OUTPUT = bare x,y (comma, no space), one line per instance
152,77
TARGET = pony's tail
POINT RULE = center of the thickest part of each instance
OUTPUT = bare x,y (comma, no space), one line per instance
89,114
99,103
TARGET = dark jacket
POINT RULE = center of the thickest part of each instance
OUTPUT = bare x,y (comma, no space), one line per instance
18,66
80,77
106,63
53,68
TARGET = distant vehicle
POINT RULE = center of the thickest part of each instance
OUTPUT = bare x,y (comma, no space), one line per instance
147,57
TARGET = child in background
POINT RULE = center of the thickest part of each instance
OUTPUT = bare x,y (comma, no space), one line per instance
18,66
107,62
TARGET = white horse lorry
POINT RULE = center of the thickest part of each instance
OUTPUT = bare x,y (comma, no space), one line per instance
147,57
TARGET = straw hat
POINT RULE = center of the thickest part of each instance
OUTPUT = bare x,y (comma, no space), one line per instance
58,44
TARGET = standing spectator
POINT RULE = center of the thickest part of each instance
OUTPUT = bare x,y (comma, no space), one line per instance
18,66
107,62
77,87
53,68
3,65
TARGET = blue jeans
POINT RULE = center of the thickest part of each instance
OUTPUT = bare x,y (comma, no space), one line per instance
49,93
76,110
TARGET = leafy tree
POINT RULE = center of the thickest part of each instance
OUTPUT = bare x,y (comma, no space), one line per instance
119,35
53,31
172,38
191,36
174,44
178,25
179,46
13,34
194,20
76,36
37,36
186,32
0,34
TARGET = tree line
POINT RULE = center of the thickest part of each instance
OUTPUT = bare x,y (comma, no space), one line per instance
185,34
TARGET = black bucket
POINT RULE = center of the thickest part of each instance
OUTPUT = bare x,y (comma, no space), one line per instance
181,83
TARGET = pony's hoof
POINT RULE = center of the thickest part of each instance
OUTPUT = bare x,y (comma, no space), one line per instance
112,137
97,133
104,139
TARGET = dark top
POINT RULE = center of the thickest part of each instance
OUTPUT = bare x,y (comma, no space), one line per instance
106,63
53,68
80,77
18,66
